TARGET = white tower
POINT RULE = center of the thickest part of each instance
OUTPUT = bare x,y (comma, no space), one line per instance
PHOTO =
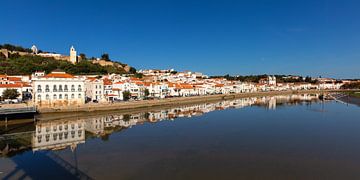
73,56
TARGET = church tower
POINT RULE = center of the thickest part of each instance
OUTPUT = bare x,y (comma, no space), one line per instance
73,56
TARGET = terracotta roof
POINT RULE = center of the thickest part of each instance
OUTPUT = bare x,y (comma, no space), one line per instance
16,85
14,78
107,82
59,75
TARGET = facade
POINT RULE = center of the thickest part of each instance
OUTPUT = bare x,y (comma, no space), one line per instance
94,89
58,89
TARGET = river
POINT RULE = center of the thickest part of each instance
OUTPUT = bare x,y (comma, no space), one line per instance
282,137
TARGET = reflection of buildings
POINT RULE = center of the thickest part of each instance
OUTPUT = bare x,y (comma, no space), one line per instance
58,134
99,124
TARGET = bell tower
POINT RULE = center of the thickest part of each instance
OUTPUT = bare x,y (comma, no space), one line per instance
73,55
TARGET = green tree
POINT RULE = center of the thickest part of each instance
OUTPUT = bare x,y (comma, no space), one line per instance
132,70
126,95
146,92
10,94
82,56
105,57
139,75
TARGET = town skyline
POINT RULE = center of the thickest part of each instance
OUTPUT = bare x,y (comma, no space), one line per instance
217,38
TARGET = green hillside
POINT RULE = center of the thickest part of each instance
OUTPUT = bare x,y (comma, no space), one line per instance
26,65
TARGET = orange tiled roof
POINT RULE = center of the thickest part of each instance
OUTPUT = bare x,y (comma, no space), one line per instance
107,82
59,75
16,85
14,79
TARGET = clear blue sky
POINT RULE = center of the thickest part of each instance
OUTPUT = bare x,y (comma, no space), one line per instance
305,37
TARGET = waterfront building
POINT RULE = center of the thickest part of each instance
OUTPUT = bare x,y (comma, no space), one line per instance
94,89
58,89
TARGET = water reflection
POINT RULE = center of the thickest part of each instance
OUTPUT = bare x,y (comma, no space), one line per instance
46,137
63,133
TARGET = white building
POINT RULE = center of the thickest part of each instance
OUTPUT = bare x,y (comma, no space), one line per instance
58,89
94,89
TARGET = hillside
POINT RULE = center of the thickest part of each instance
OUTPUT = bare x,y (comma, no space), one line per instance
21,62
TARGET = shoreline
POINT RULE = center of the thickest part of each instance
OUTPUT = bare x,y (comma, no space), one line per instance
131,105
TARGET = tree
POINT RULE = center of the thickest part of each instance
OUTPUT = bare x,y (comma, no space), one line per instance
139,75
10,94
105,57
146,92
132,70
126,95
82,56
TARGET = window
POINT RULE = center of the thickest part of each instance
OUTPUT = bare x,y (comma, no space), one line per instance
60,88
39,88
39,97
72,88
79,88
47,89
65,88
95,86
79,95
66,96
60,96
54,88
55,97
47,97
72,96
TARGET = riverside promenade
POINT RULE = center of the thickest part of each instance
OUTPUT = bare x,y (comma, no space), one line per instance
169,101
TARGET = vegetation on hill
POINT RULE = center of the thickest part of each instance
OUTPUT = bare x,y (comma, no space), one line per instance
11,47
25,65
351,86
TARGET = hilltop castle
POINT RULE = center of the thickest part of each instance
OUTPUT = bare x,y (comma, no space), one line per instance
73,58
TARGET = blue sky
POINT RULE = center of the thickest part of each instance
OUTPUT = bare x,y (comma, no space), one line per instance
305,37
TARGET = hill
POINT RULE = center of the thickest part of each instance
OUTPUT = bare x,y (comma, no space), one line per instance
21,62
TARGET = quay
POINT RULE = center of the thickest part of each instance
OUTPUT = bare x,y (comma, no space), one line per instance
128,105
6,113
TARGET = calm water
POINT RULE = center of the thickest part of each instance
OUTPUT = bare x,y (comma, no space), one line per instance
253,138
